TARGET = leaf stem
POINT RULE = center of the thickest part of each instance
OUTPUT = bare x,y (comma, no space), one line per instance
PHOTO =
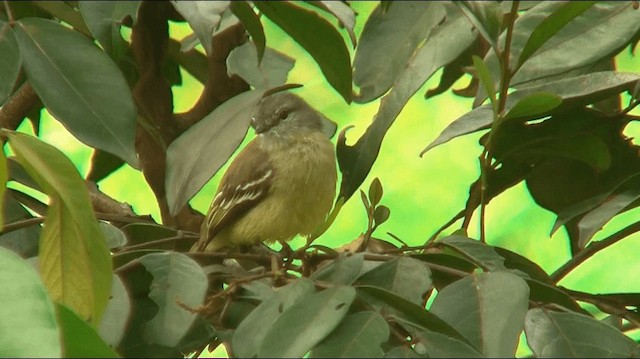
8,10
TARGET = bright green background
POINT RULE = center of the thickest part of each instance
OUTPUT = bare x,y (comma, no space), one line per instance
422,193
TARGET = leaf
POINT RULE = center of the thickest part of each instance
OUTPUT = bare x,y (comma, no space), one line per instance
542,292
533,106
486,17
27,307
360,335
75,263
116,315
104,19
176,277
550,26
243,11
485,78
4,177
583,147
381,214
603,213
401,351
438,345
9,62
24,241
114,236
271,72
79,85
204,18
443,46
411,313
599,32
307,322
194,157
252,330
343,270
574,92
388,42
571,335
479,253
375,192
306,27
488,309
343,13
80,340
406,277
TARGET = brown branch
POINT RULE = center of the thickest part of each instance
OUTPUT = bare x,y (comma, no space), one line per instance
16,108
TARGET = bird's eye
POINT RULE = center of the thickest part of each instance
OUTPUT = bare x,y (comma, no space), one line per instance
283,114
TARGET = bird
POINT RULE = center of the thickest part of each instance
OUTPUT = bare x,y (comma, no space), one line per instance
280,185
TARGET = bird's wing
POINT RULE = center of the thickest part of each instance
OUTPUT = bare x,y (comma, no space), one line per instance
246,182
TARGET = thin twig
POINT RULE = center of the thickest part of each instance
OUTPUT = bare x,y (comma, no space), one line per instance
8,10
14,226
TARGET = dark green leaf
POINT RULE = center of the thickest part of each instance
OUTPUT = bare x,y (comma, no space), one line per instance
343,270
542,292
488,309
104,19
116,315
80,86
176,277
571,335
375,192
306,323
306,27
27,307
551,25
405,277
271,72
138,233
480,253
515,261
597,217
251,332
388,42
343,13
194,157
204,18
438,345
102,165
533,106
443,46
23,241
486,17
381,214
79,339
251,22
360,335
4,177
410,312
9,61
75,263
402,351
485,79
574,91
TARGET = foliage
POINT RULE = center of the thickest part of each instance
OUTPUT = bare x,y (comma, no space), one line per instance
113,283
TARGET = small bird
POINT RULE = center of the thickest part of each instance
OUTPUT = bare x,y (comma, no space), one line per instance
281,184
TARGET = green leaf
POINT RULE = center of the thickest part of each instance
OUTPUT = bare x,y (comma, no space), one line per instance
307,322
443,46
79,85
438,345
195,156
25,306
104,19
252,330
407,311
243,11
375,192
532,106
343,270
479,253
593,221
406,277
542,292
23,241
485,78
4,177
402,351
360,335
486,17
586,148
488,309
343,13
176,277
381,214
306,27
79,339
204,18
571,335
75,263
388,42
116,315
550,26
114,236
270,72
9,61
574,92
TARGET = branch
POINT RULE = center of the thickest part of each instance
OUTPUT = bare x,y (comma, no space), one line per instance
16,108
